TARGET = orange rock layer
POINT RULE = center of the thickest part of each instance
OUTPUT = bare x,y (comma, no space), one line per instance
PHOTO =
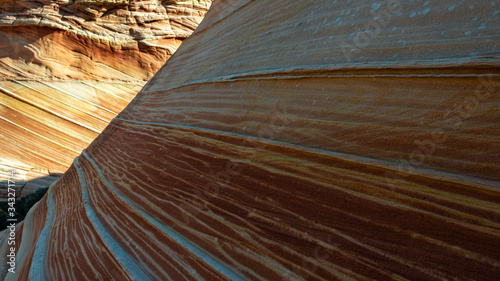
275,146
68,68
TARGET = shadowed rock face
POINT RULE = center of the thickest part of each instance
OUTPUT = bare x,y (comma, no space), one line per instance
293,140
68,67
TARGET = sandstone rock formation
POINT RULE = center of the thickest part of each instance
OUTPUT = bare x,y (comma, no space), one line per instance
68,67
293,140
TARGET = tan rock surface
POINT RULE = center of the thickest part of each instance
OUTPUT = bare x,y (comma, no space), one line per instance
68,67
275,146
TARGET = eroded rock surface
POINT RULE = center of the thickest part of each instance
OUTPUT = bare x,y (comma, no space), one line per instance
293,140
100,40
68,67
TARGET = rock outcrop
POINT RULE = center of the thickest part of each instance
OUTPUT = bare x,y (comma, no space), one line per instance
293,140
68,67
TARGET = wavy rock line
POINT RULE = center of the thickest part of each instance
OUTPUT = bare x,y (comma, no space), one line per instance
285,149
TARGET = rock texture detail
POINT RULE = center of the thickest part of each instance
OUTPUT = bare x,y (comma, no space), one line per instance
293,140
68,67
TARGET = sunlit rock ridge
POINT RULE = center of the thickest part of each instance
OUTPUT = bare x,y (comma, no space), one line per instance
93,40
293,140
68,67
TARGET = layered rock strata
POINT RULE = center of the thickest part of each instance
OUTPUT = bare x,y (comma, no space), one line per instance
293,140
68,67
